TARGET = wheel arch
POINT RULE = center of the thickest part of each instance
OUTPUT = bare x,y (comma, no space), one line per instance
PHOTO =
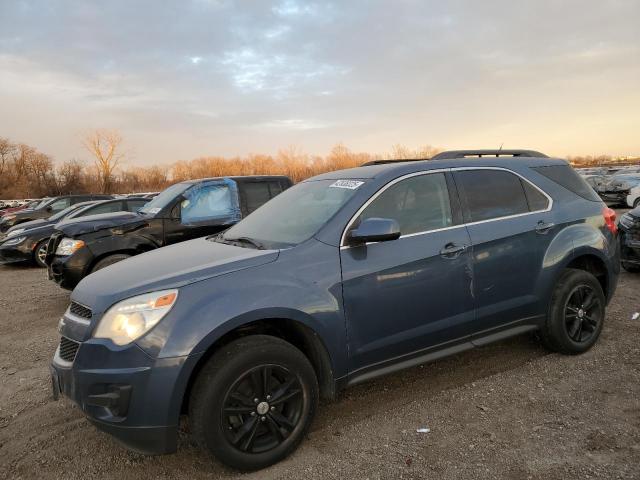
295,332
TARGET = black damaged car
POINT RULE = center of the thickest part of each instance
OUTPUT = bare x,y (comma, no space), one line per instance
629,228
186,210
28,241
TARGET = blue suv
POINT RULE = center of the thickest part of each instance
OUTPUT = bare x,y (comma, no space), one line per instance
342,278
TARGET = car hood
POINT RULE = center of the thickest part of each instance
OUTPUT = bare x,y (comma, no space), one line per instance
93,223
31,224
168,267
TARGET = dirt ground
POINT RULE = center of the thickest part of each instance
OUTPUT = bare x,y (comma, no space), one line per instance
510,410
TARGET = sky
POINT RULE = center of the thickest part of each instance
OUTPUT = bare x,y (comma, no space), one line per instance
185,79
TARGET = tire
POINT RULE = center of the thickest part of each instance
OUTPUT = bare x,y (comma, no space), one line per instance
630,267
110,260
576,313
40,252
234,428
636,204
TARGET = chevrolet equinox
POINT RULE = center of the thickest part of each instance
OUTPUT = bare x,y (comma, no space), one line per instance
341,278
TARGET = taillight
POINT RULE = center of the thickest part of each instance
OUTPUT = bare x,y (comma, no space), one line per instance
609,215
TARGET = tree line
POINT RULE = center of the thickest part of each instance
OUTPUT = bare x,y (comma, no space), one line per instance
26,172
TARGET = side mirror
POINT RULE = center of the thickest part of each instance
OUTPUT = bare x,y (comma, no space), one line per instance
375,230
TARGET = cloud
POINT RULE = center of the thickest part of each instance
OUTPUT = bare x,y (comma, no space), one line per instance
212,76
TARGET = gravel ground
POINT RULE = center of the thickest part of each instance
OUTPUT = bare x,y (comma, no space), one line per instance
510,410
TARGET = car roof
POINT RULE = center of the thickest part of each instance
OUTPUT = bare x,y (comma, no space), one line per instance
238,178
401,167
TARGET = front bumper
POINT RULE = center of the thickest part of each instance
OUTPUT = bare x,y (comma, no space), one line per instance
67,271
629,245
22,252
125,392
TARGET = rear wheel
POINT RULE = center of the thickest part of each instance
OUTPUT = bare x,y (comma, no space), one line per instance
576,313
110,260
253,402
40,253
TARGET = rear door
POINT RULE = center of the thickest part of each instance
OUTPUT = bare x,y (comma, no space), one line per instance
404,296
509,222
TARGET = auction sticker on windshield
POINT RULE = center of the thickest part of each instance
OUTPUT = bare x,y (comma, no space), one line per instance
350,184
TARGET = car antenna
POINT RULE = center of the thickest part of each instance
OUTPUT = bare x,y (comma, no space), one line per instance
500,149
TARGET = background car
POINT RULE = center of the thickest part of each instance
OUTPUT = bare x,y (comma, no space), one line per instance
28,241
183,211
629,226
45,209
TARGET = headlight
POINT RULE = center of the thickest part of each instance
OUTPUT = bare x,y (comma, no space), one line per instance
13,241
135,316
68,245
15,232
8,218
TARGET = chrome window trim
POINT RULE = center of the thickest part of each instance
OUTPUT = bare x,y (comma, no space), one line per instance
444,170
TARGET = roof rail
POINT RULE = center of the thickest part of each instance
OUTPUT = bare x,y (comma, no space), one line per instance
487,153
398,160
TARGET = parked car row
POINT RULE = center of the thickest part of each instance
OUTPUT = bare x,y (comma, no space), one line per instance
336,280
617,187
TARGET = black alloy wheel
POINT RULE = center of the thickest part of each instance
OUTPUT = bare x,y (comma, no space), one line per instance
262,408
576,313
253,401
583,313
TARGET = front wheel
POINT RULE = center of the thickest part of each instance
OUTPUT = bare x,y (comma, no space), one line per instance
576,313
253,402
40,253
110,260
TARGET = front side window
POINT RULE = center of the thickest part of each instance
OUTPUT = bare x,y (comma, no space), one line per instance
207,202
492,194
418,204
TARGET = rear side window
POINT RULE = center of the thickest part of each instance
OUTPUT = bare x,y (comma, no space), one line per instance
135,205
492,194
536,200
418,204
256,194
568,178
105,208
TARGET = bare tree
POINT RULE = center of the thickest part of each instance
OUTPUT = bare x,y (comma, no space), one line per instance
106,147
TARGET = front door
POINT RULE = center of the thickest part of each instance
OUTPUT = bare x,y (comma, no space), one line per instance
205,209
404,296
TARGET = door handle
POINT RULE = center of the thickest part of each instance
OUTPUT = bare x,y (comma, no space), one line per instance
543,227
452,250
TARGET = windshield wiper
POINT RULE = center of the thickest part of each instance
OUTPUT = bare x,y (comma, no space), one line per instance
250,241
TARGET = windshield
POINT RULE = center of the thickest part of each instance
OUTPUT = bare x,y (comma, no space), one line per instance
164,198
295,215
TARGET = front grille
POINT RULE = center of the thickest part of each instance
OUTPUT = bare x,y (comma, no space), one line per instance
68,349
80,310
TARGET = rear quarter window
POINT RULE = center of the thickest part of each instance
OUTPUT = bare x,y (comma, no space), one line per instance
567,177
